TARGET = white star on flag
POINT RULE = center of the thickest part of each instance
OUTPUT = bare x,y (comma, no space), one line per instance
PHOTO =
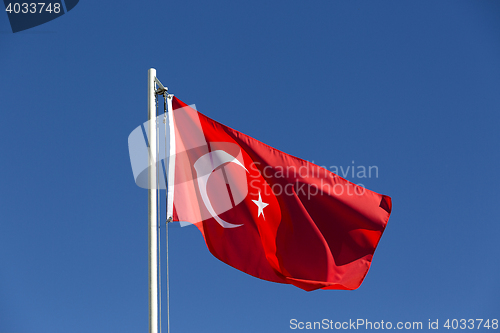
261,206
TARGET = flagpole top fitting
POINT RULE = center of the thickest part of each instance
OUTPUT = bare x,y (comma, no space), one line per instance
161,91
161,88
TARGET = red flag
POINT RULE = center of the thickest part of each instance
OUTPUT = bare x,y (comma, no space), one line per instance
269,214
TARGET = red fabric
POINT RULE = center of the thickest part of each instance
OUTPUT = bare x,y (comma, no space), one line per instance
317,230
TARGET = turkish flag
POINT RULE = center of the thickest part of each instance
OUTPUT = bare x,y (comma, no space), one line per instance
269,214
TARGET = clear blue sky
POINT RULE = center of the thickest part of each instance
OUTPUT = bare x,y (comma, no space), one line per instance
411,87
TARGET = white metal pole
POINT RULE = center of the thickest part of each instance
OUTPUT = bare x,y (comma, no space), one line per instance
152,197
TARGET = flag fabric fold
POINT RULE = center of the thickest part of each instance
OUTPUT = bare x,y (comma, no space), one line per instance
269,214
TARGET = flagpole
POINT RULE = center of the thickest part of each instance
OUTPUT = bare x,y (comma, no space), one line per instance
152,206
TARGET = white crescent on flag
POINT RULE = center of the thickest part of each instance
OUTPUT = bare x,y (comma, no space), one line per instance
204,167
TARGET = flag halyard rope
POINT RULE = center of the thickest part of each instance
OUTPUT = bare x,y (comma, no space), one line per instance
166,203
158,210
